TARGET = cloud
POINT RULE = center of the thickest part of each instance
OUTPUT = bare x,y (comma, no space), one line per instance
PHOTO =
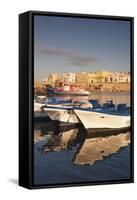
71,57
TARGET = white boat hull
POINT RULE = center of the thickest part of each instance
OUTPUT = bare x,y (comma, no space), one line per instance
37,107
96,120
62,115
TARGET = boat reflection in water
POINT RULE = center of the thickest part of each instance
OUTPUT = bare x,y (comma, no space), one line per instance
94,149
62,141
70,154
89,147
66,155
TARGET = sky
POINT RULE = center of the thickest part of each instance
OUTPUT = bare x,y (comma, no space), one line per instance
66,44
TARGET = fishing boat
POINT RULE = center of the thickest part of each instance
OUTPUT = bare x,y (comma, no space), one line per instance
61,113
39,115
38,106
66,90
64,112
39,101
103,119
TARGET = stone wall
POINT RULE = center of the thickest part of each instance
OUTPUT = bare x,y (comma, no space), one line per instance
116,87
111,87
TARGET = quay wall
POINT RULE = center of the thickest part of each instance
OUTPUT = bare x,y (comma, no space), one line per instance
110,87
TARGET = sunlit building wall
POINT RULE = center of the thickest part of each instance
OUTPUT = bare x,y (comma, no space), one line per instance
52,78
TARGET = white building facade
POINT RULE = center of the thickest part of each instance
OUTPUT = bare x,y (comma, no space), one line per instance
119,77
67,77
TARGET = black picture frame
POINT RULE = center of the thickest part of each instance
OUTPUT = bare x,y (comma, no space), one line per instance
26,92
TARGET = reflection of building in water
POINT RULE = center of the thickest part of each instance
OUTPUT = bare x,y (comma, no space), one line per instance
94,149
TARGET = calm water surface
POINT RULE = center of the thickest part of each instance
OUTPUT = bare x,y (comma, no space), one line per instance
117,97
67,155
74,156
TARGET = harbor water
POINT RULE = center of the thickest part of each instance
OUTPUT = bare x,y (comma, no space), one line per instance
64,154
117,97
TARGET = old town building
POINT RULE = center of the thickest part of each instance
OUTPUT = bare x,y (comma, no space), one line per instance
52,78
119,77
101,77
67,77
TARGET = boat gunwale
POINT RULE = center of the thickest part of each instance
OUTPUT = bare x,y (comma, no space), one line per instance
115,113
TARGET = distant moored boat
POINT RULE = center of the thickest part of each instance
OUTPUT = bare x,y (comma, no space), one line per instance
62,91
